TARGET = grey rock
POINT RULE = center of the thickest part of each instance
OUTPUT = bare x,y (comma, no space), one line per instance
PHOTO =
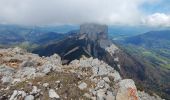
16,80
35,90
110,96
106,79
6,79
100,84
47,68
14,95
22,93
29,97
53,94
28,64
45,85
94,31
112,49
127,86
82,86
116,76
26,72
101,94
87,95
5,70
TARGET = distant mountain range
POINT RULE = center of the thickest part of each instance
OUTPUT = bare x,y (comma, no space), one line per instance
153,45
30,37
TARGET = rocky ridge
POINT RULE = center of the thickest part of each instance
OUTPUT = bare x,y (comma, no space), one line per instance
26,76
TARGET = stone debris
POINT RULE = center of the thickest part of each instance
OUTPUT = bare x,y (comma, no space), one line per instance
92,78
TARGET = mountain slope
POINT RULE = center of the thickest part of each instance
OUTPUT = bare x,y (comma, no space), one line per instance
154,46
152,49
93,41
96,44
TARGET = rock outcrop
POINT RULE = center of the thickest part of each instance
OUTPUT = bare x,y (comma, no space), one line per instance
26,76
94,31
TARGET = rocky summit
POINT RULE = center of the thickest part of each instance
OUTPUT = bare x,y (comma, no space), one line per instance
94,31
26,76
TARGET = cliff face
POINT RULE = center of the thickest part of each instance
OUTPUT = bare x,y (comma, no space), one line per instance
26,76
94,31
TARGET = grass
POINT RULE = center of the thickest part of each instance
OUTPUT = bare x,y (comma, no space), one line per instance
166,66
68,89
157,57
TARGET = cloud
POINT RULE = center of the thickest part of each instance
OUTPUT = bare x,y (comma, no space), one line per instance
40,12
157,19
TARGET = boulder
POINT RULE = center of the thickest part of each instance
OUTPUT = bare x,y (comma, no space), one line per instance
127,90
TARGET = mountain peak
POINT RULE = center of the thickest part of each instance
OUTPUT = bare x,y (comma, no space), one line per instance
94,31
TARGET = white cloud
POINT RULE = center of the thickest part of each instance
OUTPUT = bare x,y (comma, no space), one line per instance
31,12
69,11
157,19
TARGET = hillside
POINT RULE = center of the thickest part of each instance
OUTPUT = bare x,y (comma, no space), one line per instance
153,49
26,76
154,46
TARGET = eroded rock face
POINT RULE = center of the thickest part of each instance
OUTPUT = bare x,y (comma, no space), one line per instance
127,90
45,78
94,31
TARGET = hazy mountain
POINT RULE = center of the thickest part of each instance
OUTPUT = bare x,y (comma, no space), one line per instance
31,37
154,45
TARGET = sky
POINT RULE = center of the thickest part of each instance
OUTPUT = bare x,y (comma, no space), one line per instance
154,13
